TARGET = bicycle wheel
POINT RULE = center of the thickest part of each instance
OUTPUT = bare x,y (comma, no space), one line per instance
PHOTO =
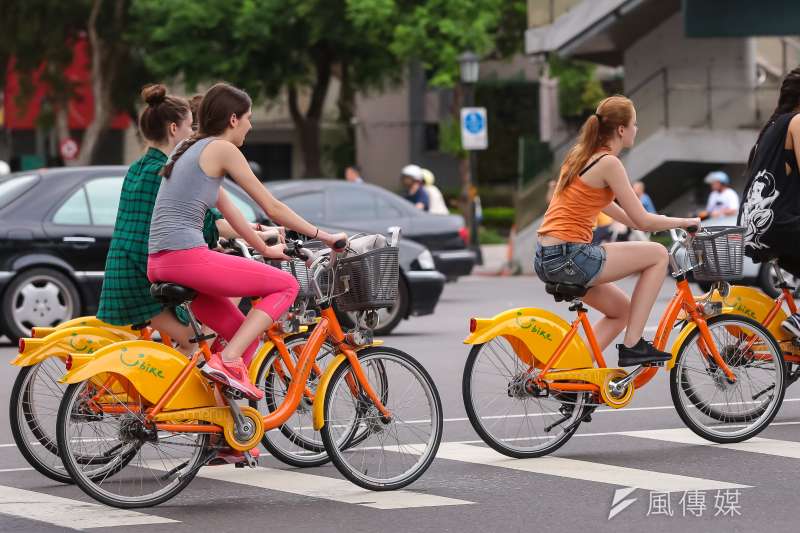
394,452
33,411
144,467
507,412
296,442
708,402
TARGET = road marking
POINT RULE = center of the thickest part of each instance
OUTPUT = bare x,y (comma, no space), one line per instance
68,513
15,470
779,448
583,470
326,488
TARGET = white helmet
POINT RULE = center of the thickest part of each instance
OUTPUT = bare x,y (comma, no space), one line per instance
412,171
4,168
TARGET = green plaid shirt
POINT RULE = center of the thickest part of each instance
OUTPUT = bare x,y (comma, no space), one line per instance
126,290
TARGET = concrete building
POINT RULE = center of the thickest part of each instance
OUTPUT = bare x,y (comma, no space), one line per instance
700,101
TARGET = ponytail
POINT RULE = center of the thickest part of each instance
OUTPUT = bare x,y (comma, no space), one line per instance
788,100
166,171
595,133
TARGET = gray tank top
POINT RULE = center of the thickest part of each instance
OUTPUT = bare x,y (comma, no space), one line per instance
182,202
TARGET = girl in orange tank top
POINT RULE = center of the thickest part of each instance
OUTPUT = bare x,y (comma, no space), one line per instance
591,178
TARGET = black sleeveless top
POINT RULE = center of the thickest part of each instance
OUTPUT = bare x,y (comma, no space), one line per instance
770,208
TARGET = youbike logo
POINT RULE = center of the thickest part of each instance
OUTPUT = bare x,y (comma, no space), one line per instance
533,327
140,363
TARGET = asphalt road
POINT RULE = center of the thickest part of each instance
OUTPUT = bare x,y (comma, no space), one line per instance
616,460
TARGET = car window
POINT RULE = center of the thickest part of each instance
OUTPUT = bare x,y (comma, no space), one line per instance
352,203
75,211
103,194
12,188
386,209
309,205
246,209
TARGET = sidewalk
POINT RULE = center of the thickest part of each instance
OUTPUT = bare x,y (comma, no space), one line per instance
494,260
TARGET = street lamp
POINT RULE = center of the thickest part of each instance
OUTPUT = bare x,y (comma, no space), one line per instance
469,64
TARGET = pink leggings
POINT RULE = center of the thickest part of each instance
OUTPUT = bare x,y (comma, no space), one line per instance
217,277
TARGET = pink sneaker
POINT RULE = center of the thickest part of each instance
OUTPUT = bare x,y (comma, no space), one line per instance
233,374
229,456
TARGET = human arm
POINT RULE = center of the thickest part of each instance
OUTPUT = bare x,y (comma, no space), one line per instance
221,158
614,174
265,232
241,227
617,213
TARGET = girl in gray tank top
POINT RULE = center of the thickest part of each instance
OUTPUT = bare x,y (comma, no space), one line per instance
178,253
182,203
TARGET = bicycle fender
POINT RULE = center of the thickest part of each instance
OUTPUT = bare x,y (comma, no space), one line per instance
59,343
90,321
318,407
258,358
534,334
150,367
753,303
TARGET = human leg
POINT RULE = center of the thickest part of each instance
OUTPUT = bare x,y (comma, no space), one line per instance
615,305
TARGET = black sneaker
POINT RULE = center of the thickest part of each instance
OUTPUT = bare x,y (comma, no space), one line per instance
642,353
792,324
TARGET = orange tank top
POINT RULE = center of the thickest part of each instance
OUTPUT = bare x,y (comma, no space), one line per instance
572,212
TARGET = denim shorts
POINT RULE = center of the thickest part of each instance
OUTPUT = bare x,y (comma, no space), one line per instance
573,262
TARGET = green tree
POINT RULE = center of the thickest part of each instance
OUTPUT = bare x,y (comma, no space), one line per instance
40,35
290,49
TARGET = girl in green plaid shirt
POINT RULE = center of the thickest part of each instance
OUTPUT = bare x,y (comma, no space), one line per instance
166,121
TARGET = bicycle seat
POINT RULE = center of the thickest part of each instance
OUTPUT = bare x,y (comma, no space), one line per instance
565,292
171,294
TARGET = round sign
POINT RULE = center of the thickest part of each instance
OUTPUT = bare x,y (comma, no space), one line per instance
473,122
69,149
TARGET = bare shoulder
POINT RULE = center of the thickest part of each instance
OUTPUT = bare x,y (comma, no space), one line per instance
221,147
611,168
794,124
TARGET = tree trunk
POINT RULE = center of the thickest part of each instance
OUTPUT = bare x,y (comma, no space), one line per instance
347,108
307,125
105,61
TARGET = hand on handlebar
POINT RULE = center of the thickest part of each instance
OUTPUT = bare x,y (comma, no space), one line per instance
276,252
272,236
336,241
691,224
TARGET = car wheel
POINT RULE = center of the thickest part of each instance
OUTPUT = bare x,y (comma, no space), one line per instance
388,319
38,297
767,280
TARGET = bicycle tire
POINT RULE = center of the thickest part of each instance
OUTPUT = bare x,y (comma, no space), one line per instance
680,385
496,443
426,456
88,483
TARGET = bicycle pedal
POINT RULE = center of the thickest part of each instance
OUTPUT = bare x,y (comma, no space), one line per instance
657,364
233,394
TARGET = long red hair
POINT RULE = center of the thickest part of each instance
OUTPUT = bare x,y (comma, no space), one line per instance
599,128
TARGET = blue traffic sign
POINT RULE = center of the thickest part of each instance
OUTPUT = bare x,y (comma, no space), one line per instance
473,122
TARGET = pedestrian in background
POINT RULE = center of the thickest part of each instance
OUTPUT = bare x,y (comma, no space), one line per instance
412,178
437,204
647,202
722,201
353,174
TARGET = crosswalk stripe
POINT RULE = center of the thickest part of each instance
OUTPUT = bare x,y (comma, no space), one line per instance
583,470
323,487
68,513
780,448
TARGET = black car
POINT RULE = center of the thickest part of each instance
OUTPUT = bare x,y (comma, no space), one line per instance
55,230
372,209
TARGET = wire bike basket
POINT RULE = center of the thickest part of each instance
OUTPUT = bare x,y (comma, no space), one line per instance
718,253
368,280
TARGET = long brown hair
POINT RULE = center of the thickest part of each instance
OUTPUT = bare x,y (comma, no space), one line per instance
596,132
218,104
161,111
788,100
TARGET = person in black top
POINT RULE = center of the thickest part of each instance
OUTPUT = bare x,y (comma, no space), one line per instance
413,181
770,209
